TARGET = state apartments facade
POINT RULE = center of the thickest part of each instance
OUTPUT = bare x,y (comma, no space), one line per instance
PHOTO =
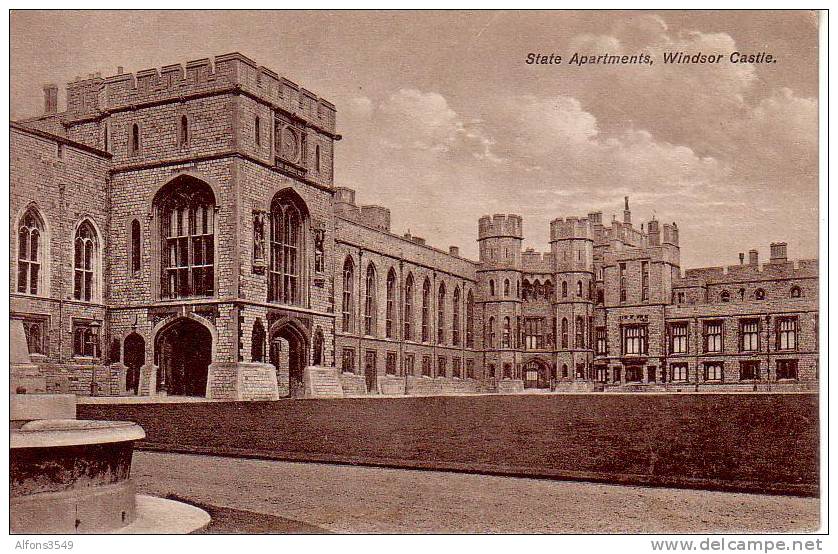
178,231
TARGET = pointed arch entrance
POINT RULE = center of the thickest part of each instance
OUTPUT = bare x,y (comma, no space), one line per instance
289,345
134,357
536,374
183,353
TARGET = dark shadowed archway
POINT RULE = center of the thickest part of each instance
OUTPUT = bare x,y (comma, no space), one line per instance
289,348
134,357
536,374
183,352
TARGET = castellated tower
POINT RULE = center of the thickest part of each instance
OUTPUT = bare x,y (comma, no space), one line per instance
499,282
572,245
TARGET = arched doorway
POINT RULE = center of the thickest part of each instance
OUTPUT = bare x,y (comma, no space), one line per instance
536,375
183,352
289,349
134,357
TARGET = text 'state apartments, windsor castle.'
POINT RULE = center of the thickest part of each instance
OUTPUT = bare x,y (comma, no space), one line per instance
177,231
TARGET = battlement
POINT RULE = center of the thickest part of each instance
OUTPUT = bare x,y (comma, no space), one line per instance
374,216
571,228
784,269
536,262
500,225
94,95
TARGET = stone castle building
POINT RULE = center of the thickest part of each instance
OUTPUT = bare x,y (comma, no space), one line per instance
179,230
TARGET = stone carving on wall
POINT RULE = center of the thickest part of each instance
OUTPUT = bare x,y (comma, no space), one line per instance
259,263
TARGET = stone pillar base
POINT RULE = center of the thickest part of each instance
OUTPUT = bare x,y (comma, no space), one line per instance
242,381
510,386
322,382
148,380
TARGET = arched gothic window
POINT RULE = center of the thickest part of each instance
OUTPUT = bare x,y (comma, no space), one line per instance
29,252
490,333
470,320
257,342
136,246
440,315
408,308
579,289
426,301
85,262
286,269
491,287
455,319
506,287
390,315
186,208
564,289
348,295
580,332
564,332
507,333
370,308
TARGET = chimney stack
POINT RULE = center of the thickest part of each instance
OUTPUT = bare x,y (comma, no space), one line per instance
119,70
454,250
753,257
627,212
741,258
50,99
778,252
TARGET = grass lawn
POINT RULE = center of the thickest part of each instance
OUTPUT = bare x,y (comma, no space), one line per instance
759,443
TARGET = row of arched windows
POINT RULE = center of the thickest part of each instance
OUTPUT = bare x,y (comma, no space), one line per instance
507,335
369,314
33,257
758,294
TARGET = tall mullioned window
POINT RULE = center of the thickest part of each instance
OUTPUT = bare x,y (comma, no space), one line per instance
786,333
564,333
490,333
408,308
678,333
390,314
580,332
186,211
455,319
29,246
440,319
534,333
470,320
749,335
370,308
601,340
347,308
85,262
426,308
287,260
712,336
635,339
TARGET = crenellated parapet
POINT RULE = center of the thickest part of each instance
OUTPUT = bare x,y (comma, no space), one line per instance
571,228
500,226
229,72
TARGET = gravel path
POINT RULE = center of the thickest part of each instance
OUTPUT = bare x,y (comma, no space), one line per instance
349,499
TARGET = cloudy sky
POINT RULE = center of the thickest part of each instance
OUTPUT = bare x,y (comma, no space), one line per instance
444,122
